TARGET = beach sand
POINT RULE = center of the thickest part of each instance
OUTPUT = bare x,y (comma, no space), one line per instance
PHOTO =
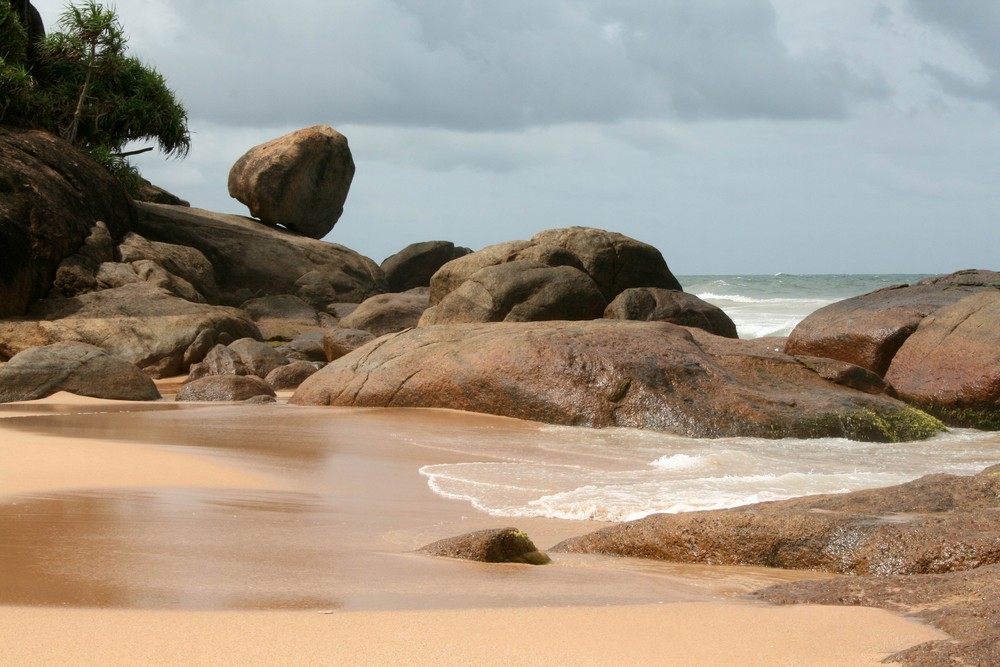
170,534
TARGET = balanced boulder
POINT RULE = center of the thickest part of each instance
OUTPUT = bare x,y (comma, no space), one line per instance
299,181
78,368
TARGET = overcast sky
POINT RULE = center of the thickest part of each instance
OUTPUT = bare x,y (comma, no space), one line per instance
737,136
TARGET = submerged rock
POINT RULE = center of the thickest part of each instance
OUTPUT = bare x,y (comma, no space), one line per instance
497,545
650,375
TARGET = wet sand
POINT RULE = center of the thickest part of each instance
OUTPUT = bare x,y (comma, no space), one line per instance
163,533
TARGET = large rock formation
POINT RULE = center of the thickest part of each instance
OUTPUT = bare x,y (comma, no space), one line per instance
936,341
51,196
611,373
250,257
614,261
182,261
140,323
299,181
74,367
939,523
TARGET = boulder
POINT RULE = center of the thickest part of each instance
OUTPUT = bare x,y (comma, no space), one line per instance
388,313
246,255
315,289
220,360
78,368
182,261
307,347
299,180
286,317
950,366
601,373
140,323
338,342
51,196
615,261
414,265
260,358
496,545
225,388
291,375
520,291
655,304
450,276
936,524
955,375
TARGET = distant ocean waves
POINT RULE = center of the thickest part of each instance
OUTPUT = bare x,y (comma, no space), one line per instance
774,305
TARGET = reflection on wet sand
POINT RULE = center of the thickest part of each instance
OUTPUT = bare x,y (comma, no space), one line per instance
336,530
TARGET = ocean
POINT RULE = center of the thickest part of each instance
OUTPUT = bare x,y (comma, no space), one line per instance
625,474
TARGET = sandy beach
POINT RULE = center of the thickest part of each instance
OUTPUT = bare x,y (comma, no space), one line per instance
168,534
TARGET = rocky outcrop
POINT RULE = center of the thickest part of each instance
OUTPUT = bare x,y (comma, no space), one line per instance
140,323
182,261
253,260
496,545
414,265
78,368
51,196
936,524
964,604
77,274
611,373
936,341
655,304
388,313
225,388
299,181
520,291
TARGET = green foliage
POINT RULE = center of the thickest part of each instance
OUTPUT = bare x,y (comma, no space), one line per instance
122,169
85,87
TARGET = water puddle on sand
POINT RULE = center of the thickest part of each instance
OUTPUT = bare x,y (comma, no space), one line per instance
337,530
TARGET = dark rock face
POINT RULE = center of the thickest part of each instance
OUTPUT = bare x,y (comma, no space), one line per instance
947,327
142,324
74,367
610,373
388,313
655,304
225,388
77,274
498,545
520,291
299,181
51,196
414,265
246,255
939,523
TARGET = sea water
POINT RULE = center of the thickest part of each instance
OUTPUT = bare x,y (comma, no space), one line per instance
625,474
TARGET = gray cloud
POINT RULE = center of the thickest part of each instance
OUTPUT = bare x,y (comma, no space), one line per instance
975,24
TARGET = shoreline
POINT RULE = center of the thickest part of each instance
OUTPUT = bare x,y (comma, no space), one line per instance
338,583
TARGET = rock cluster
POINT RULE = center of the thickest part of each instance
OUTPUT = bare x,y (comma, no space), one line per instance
936,342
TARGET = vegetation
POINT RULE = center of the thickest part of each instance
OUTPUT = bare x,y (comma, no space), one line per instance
84,87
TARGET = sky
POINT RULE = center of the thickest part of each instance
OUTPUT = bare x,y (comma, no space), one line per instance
736,136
